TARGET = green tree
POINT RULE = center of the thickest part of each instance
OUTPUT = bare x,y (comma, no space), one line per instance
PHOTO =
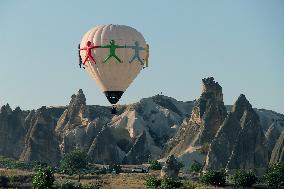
43,178
155,165
274,175
195,167
74,162
215,178
152,182
244,178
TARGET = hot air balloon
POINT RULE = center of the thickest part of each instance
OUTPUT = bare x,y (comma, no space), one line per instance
113,55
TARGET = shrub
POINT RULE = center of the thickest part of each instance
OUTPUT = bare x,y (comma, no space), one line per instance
13,164
4,181
115,167
155,165
189,184
170,183
74,185
204,148
152,182
274,175
43,178
39,165
215,178
244,178
195,167
165,183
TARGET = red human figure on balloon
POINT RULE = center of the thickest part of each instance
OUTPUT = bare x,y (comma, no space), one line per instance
88,48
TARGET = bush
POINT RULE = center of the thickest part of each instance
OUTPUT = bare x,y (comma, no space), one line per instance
13,164
204,148
115,167
165,183
39,165
274,175
74,185
244,178
215,178
152,182
195,167
43,178
170,183
189,184
4,181
155,165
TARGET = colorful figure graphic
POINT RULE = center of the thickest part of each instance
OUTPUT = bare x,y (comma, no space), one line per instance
136,49
88,50
112,47
147,55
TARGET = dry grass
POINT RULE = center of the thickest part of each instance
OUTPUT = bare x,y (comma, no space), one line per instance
106,181
14,172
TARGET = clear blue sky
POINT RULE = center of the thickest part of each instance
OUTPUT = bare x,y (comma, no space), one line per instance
240,43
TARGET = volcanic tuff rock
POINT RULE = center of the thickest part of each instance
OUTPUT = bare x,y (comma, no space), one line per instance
104,149
159,117
41,142
79,124
12,131
240,141
206,117
171,167
142,129
272,134
139,153
278,151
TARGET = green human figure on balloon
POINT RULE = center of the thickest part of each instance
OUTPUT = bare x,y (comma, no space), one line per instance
112,47
136,49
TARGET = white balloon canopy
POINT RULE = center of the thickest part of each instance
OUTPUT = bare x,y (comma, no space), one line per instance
119,52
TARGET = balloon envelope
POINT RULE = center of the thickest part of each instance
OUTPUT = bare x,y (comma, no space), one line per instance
114,77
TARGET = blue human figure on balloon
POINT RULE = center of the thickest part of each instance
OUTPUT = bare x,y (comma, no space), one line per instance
136,49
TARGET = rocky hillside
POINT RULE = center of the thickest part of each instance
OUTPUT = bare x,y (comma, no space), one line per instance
203,130
240,141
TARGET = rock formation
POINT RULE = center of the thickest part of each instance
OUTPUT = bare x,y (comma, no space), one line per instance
153,128
79,124
104,149
206,117
272,134
278,151
41,143
240,142
140,152
171,167
12,131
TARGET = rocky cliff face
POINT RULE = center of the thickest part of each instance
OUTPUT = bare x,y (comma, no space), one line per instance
250,150
152,128
79,124
140,152
41,143
206,117
277,154
12,131
104,149
240,141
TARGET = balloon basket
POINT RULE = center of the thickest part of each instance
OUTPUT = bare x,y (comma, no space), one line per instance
113,110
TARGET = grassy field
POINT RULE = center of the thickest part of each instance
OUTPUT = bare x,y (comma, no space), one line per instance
22,179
